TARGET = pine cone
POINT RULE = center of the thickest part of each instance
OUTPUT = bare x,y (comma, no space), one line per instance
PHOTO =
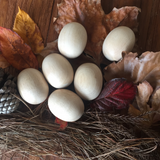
8,102
1,75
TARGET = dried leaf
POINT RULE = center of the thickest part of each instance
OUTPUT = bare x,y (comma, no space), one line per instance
15,51
62,124
144,92
3,62
148,104
91,15
125,16
28,31
155,101
117,94
146,67
133,111
40,60
51,47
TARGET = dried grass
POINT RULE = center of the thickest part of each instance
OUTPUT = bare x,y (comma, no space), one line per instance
94,136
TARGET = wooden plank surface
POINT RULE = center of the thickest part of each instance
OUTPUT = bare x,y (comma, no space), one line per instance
43,12
149,21
40,11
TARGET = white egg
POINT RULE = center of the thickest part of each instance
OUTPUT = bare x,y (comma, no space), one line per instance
88,81
72,40
57,70
32,86
118,40
66,105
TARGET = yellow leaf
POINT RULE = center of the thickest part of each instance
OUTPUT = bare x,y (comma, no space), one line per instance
28,31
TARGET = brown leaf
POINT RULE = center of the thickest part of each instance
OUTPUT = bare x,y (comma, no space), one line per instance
146,67
3,62
91,15
15,51
144,92
51,47
156,106
125,16
133,111
150,111
40,60
28,31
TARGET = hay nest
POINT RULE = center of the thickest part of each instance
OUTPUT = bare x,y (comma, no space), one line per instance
95,136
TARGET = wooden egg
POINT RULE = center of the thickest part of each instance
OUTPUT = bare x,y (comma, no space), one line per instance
57,70
32,86
72,40
88,81
118,40
66,105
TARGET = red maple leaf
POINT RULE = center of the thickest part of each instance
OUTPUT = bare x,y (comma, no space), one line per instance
117,94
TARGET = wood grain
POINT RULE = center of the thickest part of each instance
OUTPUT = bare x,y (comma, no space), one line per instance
149,29
52,34
40,11
149,21
44,11
108,5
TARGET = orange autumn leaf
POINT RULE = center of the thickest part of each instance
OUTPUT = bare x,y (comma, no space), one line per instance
28,31
3,62
97,24
15,51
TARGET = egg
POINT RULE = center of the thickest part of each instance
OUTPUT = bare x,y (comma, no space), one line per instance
57,70
66,105
88,81
32,86
72,40
118,40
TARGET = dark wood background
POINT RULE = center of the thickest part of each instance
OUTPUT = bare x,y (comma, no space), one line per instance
43,12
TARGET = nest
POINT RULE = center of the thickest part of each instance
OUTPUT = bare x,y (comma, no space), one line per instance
95,136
